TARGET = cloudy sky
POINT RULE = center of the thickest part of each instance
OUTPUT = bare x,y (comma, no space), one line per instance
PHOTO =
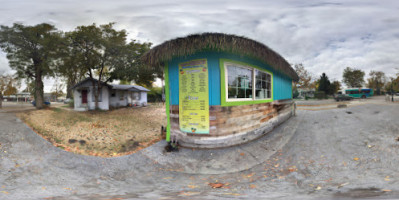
326,36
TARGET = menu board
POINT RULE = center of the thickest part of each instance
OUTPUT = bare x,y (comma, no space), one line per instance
194,97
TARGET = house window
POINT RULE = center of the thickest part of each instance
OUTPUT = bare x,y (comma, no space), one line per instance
136,96
113,93
246,83
122,96
100,95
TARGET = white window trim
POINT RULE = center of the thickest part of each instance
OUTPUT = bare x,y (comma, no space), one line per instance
226,81
254,84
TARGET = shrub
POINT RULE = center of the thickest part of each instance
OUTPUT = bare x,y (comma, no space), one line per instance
155,94
71,104
320,95
295,93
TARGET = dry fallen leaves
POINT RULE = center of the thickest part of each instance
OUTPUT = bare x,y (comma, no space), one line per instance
387,178
386,190
4,192
192,186
292,169
188,193
233,194
106,134
252,186
216,185
250,175
342,185
355,158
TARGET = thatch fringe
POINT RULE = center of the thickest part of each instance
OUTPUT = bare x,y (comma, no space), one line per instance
192,44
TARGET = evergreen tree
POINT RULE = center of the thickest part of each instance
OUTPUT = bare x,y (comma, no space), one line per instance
324,84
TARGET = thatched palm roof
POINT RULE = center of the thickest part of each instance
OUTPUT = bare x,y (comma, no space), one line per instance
192,44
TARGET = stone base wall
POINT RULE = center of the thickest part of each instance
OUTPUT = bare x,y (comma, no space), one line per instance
234,124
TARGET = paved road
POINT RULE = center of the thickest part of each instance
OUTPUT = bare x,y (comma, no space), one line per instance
337,153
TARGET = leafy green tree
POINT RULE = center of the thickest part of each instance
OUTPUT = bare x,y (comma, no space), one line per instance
392,85
376,81
155,94
98,50
133,69
8,86
335,86
31,51
305,77
30,87
70,64
353,77
324,84
102,53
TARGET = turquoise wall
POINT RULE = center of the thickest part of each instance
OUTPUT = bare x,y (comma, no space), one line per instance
282,86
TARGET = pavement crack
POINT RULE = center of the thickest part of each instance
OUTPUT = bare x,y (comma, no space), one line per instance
250,153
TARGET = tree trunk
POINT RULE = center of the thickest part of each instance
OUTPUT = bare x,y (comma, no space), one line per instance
69,93
39,89
96,92
1,100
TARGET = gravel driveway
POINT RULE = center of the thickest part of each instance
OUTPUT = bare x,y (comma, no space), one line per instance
329,154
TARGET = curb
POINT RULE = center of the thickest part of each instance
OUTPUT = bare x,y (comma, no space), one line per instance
224,160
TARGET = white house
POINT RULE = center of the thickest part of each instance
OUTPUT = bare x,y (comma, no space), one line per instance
110,96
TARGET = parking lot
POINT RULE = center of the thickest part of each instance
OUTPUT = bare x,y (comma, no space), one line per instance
331,153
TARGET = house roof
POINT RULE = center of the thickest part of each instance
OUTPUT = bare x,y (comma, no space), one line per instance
141,88
129,87
192,44
86,80
114,86
120,87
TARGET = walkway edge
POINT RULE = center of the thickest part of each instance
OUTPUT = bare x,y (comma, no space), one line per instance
224,160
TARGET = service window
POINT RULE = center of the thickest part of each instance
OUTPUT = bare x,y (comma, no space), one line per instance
245,83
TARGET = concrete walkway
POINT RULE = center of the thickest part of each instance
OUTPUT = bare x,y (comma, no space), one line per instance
328,154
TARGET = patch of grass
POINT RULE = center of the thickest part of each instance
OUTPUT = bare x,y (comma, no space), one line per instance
58,110
106,133
57,140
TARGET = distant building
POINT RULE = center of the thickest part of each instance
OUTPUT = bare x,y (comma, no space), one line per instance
305,92
110,95
19,97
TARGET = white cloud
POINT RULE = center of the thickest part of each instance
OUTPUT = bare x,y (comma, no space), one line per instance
324,36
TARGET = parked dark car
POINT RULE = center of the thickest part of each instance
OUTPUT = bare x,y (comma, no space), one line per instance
45,103
342,97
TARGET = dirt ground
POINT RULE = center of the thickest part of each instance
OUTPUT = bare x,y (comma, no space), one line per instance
100,133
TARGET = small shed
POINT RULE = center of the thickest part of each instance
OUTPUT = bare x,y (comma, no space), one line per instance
222,90
111,95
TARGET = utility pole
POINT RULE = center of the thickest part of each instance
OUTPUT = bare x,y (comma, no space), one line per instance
392,88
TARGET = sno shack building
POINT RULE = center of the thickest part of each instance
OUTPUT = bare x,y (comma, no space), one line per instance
222,90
